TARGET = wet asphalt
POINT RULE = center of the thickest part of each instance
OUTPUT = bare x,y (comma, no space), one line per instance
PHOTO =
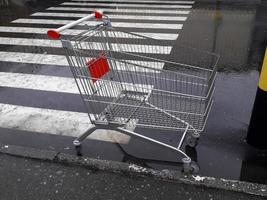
236,31
35,179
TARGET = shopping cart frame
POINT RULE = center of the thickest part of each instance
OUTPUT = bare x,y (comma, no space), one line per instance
190,137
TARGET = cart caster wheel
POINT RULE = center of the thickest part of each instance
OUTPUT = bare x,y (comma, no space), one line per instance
192,140
190,166
78,150
195,167
191,152
186,165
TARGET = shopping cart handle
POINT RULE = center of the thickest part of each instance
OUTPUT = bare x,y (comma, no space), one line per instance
55,33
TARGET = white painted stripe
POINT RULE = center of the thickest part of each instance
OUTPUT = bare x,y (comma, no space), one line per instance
130,17
30,42
53,122
33,58
57,84
127,5
142,1
94,23
159,36
150,49
123,10
9,29
38,82
60,60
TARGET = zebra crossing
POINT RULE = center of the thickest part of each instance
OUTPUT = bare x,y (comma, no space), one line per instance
92,23
131,5
34,75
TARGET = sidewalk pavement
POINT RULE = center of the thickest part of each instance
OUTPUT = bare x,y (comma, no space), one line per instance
36,174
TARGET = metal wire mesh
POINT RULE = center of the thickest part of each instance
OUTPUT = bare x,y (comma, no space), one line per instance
144,80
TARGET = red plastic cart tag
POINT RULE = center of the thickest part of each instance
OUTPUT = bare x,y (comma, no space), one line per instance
98,67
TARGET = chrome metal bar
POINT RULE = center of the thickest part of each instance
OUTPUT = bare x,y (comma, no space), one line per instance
139,136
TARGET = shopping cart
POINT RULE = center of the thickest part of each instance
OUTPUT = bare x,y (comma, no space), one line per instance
129,81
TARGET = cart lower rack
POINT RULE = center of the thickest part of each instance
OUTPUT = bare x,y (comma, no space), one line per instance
128,80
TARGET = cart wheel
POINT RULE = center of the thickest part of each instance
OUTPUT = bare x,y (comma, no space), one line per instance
190,166
195,167
192,140
78,147
78,150
191,152
186,165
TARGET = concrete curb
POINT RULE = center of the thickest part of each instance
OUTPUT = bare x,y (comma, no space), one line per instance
131,169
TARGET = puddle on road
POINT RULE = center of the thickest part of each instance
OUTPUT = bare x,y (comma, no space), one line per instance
236,33
239,35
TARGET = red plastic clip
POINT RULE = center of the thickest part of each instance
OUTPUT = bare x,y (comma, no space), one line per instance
98,67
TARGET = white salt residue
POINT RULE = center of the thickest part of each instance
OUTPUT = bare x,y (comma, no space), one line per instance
210,178
225,180
199,178
137,168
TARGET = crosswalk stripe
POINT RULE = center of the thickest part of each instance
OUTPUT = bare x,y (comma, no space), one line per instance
130,17
93,23
58,60
133,48
54,84
141,1
56,122
127,5
123,10
38,82
12,29
33,58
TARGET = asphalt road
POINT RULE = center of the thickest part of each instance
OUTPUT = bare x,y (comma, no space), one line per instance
23,178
